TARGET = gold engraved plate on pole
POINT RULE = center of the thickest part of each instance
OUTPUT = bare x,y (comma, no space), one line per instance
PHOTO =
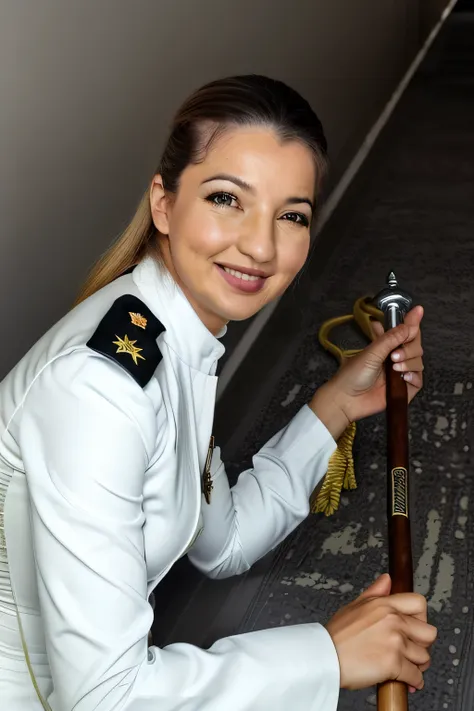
207,484
399,492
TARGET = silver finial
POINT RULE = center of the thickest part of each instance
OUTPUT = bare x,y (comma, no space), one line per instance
393,301
392,279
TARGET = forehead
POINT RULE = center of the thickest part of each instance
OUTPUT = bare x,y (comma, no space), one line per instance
261,158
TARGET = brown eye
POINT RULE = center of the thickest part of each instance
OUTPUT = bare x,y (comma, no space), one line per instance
222,199
296,217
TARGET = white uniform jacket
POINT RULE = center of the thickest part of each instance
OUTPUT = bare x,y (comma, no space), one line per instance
100,493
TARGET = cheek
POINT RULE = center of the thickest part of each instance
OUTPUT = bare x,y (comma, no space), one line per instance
293,255
201,233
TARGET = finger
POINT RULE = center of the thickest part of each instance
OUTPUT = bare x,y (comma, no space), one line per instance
410,350
411,674
415,383
414,348
415,365
391,340
416,653
415,316
411,604
380,588
419,632
377,328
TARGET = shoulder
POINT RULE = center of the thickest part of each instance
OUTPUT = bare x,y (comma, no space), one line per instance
82,395
127,334
86,425
103,367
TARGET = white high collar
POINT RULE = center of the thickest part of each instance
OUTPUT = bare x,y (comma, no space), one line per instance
185,333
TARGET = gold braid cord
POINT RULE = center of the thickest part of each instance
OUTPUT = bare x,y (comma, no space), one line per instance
341,471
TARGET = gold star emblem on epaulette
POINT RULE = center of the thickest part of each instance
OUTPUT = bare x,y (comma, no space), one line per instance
125,345
138,320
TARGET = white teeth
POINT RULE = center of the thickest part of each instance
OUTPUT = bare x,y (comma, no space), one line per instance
241,275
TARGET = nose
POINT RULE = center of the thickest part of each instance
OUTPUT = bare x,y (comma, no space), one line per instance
257,239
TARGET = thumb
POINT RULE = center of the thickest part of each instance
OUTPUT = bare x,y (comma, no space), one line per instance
392,339
380,588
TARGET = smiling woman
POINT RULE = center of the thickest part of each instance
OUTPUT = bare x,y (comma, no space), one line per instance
234,241
108,471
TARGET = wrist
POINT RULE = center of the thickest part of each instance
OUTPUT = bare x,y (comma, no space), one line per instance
327,408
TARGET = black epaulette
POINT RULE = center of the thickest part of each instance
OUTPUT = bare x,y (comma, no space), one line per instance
127,334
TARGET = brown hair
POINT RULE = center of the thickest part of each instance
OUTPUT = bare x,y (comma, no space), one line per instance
250,100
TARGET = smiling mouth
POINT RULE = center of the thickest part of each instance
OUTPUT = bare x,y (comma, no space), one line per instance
249,281
241,275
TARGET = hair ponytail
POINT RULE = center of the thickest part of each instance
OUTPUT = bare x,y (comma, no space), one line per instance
129,249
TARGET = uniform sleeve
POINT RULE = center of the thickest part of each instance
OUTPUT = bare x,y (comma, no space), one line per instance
86,433
244,523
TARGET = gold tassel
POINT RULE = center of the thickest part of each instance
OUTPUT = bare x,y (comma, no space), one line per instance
340,474
341,470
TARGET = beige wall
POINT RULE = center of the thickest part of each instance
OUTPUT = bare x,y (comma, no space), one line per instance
87,88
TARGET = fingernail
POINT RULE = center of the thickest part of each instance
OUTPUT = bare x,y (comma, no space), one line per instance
408,376
397,366
396,356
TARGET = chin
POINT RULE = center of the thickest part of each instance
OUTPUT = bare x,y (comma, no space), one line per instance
240,317
240,314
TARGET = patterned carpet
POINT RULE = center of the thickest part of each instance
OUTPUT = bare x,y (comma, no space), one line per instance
417,217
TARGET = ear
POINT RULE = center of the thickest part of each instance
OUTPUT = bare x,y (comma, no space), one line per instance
159,205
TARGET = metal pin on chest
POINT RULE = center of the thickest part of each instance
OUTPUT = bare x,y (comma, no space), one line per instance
207,484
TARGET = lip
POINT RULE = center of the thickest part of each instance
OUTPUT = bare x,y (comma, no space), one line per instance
246,287
244,270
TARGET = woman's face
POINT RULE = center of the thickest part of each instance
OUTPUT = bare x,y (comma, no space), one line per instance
238,230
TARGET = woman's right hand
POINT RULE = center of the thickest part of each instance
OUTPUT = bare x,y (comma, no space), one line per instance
381,637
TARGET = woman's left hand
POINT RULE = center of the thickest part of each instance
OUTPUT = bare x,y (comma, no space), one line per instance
359,386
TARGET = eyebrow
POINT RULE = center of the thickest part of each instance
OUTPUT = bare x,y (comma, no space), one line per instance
298,200
250,189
